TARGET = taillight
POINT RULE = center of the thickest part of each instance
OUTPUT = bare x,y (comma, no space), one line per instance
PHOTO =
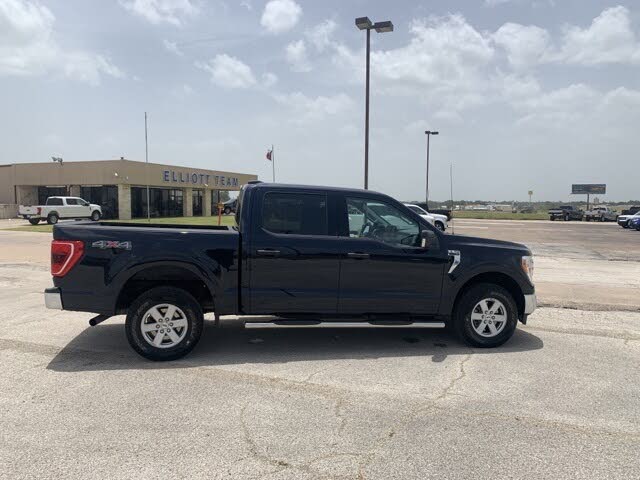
64,255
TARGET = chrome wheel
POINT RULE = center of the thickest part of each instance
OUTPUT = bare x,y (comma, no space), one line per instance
164,326
489,317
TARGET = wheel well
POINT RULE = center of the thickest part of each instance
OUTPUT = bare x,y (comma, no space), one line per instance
496,278
164,276
52,213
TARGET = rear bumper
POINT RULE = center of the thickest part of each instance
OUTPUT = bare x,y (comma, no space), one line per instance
530,303
53,298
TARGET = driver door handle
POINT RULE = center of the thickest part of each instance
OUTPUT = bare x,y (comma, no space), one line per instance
358,255
268,252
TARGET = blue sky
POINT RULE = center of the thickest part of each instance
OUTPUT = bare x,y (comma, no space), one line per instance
527,94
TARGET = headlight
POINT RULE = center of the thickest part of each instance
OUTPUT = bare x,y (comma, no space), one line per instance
526,263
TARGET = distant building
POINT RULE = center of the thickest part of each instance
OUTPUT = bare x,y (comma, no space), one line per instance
120,186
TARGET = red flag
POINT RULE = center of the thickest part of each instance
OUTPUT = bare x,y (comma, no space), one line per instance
269,152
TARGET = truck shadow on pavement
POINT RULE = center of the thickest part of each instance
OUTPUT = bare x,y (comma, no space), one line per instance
105,347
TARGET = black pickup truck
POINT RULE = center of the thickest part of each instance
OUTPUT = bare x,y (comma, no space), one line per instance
308,256
566,212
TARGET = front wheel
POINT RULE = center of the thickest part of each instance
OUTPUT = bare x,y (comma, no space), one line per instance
164,323
227,211
95,216
34,221
485,316
440,226
566,218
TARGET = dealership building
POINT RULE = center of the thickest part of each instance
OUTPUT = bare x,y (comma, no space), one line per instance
119,186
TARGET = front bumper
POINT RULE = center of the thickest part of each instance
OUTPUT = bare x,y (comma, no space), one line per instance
530,303
53,298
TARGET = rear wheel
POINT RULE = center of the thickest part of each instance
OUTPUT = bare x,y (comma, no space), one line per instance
52,219
95,216
227,211
485,316
552,218
164,323
34,221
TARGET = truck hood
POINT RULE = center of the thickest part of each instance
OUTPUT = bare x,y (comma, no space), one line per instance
461,241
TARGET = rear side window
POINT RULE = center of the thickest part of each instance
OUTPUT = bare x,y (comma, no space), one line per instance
72,201
54,201
295,213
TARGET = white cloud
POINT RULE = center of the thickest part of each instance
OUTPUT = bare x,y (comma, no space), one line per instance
609,39
526,46
280,15
172,47
309,109
228,72
269,79
320,35
174,12
296,55
28,46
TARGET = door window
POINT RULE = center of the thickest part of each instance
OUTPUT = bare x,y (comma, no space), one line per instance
72,201
381,221
295,213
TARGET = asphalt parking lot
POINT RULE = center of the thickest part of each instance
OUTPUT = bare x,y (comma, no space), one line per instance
560,400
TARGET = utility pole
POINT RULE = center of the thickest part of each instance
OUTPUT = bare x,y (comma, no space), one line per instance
428,133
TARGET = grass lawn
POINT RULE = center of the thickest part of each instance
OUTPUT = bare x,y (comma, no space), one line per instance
499,215
227,220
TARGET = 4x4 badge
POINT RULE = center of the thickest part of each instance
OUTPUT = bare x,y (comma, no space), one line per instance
104,244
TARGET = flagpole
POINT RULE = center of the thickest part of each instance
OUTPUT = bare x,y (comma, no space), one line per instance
273,164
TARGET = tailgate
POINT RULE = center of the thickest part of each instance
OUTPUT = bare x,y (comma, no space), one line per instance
28,210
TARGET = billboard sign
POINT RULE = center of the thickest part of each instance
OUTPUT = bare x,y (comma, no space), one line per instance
588,188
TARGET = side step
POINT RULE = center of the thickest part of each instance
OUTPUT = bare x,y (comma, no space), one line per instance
338,324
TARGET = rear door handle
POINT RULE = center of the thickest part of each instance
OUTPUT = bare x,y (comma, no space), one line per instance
268,252
357,255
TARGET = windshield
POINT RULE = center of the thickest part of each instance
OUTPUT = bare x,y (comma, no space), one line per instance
416,209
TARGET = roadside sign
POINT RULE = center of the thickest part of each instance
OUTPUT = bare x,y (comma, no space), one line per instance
588,188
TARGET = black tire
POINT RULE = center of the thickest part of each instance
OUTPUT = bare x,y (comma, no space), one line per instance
34,221
552,218
95,215
52,219
463,326
567,218
158,296
227,211
439,226
587,219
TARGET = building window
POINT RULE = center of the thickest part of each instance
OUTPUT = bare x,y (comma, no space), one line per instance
164,202
197,203
106,196
46,192
218,196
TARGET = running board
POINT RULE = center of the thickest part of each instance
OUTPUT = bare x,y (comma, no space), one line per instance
307,324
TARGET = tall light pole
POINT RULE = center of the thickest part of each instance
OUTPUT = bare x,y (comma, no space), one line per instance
363,23
428,133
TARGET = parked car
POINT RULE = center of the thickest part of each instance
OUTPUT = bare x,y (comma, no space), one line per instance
631,211
312,256
623,220
56,208
435,219
600,213
228,207
635,223
565,212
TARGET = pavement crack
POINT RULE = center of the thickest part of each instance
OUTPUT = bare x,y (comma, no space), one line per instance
462,373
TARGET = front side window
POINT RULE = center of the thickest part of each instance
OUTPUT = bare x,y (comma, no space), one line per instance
381,221
295,213
72,201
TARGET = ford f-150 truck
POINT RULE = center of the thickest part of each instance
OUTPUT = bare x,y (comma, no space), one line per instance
307,256
60,207
566,212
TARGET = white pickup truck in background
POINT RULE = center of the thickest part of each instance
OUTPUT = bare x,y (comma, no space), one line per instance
600,213
60,207
435,219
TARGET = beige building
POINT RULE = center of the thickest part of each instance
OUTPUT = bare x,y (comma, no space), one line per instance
120,186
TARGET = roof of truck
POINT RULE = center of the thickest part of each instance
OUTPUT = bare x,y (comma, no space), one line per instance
312,187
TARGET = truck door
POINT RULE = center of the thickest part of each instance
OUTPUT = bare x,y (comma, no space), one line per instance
73,209
382,268
293,254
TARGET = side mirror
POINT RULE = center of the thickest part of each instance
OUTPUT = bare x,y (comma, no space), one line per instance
428,239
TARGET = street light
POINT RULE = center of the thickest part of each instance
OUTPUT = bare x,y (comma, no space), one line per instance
428,133
363,23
